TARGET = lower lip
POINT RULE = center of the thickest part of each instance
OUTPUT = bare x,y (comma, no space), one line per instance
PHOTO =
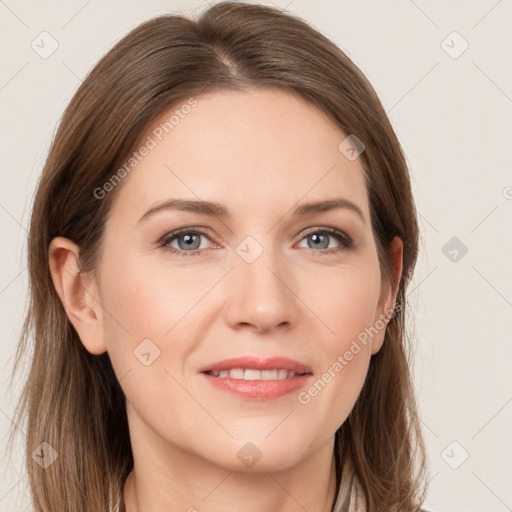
259,389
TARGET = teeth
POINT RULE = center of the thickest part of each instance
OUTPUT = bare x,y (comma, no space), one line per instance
236,373
250,374
282,374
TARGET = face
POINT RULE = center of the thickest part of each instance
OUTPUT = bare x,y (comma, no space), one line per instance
264,277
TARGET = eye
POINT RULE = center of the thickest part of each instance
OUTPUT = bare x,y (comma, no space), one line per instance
188,241
320,239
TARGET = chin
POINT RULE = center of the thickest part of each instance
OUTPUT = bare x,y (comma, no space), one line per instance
261,456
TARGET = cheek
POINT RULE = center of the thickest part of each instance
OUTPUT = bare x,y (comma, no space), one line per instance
144,313
144,303
348,310
154,318
347,355
350,306
140,308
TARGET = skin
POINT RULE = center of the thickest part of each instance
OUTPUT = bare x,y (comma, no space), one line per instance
260,153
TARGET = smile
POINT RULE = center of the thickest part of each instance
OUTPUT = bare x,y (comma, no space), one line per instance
251,374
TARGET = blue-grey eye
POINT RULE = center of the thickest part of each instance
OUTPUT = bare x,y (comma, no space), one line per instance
320,241
191,241
321,238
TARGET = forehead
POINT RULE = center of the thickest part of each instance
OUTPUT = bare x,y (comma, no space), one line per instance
256,150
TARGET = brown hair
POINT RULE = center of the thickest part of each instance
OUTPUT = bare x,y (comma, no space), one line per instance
72,398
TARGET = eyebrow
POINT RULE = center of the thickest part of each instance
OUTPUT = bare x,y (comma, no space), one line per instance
219,210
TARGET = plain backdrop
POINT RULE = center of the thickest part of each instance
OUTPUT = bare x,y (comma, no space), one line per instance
442,70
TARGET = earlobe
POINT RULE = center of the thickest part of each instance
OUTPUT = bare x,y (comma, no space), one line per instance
388,297
78,293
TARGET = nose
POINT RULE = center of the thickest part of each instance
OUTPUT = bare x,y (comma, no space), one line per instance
260,294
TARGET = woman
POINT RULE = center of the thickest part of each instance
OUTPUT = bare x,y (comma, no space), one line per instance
219,251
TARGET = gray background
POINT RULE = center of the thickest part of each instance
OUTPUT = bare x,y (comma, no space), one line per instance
452,111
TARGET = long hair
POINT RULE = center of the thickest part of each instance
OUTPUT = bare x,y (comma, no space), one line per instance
72,399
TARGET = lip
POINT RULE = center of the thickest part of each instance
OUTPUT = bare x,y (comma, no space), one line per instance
259,389
255,363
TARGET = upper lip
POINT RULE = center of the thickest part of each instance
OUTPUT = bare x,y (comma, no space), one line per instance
255,363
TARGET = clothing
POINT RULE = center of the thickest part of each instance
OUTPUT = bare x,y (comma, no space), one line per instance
350,496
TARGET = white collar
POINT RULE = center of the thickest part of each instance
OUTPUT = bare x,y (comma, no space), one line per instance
351,496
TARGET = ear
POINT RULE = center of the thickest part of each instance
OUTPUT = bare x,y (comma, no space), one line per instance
78,293
388,295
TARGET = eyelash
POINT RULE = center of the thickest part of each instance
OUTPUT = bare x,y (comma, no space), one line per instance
346,242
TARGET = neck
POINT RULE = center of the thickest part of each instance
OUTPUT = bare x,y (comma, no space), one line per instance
215,489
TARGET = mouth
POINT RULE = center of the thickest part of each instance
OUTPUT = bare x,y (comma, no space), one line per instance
254,378
252,374
254,368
